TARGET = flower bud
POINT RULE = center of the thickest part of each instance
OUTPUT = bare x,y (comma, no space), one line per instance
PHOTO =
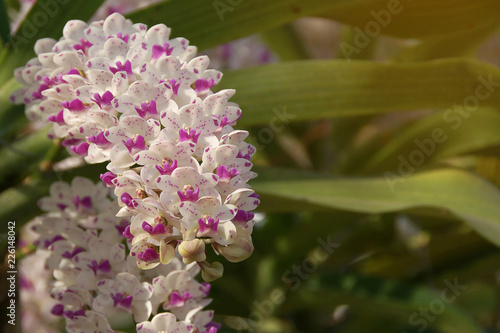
211,271
238,251
193,250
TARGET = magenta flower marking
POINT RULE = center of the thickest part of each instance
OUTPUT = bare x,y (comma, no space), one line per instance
225,175
57,310
127,200
135,145
243,216
190,195
73,314
83,46
126,67
203,85
189,136
70,255
177,300
107,178
48,242
159,50
175,86
85,202
59,118
123,300
127,234
82,149
209,225
75,105
147,110
158,229
167,169
100,140
105,99
103,266
148,255
122,37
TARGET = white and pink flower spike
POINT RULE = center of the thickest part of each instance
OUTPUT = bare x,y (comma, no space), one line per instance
133,97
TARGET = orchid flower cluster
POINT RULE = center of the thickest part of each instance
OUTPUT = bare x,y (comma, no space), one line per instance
83,244
120,93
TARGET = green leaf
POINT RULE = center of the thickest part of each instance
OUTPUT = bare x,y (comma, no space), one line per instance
461,43
479,130
210,23
46,19
320,89
4,23
460,193
387,298
285,43
415,19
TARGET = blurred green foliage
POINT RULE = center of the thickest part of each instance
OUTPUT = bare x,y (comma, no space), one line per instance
378,175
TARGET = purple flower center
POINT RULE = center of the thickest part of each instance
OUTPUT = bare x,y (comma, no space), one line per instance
59,118
136,145
72,314
105,99
208,226
158,229
49,242
159,50
148,255
189,194
167,168
122,37
226,175
75,105
126,233
57,310
203,85
147,110
123,300
82,149
128,200
177,300
99,140
175,85
189,135
83,46
70,255
107,178
85,202
103,266
243,216
126,67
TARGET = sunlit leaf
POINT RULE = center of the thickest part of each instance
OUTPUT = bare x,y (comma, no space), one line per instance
210,23
413,19
311,90
460,193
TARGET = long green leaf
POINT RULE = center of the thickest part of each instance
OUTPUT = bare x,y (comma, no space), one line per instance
414,19
462,135
460,193
4,23
211,23
320,89
379,297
